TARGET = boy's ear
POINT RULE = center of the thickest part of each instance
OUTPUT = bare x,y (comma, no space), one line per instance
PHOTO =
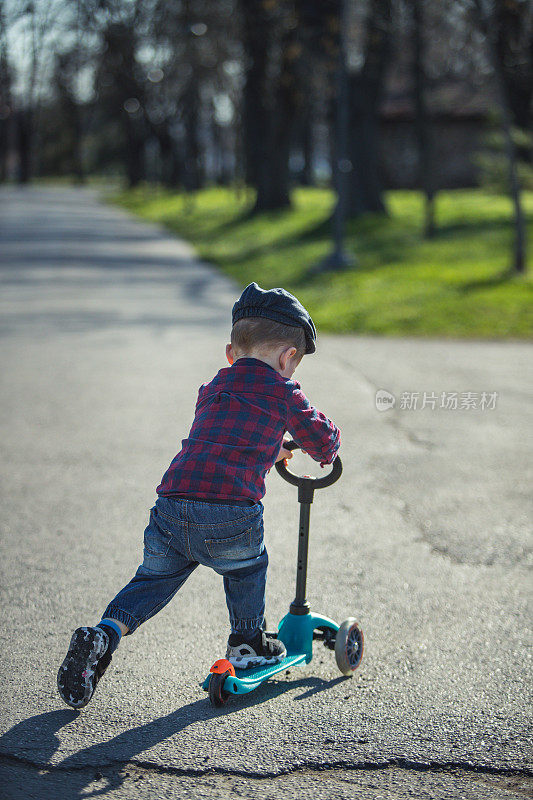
229,353
286,355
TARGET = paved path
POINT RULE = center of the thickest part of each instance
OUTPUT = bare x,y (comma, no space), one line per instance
108,328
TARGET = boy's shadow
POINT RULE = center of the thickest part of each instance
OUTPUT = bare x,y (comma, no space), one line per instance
35,740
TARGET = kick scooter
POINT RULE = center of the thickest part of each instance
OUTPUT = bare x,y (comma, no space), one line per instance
300,626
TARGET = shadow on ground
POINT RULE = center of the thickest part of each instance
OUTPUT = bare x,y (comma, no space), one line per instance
35,740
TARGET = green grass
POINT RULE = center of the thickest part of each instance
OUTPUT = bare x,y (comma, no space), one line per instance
455,285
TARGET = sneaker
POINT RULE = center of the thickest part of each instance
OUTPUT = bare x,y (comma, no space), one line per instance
261,650
85,663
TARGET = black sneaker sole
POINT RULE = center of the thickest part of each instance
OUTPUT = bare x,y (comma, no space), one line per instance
80,671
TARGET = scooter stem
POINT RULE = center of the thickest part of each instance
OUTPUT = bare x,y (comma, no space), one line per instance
306,488
300,605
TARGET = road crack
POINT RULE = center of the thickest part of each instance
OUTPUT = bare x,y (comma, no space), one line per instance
301,768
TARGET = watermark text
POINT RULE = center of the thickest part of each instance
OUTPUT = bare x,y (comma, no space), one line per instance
449,401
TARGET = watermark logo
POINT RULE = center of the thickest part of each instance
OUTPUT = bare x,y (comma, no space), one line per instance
384,400
450,401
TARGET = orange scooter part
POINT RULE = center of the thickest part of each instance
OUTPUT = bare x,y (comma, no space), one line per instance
223,665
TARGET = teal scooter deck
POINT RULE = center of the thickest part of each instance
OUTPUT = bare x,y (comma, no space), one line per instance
297,634
246,680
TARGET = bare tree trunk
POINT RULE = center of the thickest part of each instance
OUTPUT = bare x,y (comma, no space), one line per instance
5,130
426,176
135,140
77,155
364,90
6,101
514,47
24,139
271,100
307,144
273,189
172,167
220,153
488,24
255,35
120,65
364,188
239,181
190,101
191,118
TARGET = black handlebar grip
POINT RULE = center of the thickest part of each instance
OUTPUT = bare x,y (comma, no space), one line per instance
296,480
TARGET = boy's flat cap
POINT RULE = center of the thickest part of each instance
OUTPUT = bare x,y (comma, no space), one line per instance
276,304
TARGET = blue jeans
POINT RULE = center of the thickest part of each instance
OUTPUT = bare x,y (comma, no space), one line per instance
184,533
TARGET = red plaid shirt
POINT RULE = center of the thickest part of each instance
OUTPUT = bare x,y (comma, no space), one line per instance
238,427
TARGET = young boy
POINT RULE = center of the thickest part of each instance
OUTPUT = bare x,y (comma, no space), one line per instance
209,509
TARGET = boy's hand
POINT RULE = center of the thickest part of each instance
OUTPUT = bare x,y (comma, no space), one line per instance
283,454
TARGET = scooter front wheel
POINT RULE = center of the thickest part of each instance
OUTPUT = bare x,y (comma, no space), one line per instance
349,645
217,694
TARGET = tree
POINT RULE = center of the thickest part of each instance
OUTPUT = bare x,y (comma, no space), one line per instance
513,42
6,99
365,87
367,30
490,23
189,78
121,95
40,24
426,174
272,96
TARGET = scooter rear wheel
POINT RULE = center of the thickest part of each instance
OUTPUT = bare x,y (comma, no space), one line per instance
217,694
349,645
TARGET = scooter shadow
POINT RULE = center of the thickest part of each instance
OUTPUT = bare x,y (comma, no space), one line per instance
35,740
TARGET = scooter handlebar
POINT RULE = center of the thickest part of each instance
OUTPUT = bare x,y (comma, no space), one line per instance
296,480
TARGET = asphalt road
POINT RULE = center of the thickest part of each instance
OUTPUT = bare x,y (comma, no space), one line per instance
108,327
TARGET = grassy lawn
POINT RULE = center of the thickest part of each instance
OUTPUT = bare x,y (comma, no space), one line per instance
455,285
